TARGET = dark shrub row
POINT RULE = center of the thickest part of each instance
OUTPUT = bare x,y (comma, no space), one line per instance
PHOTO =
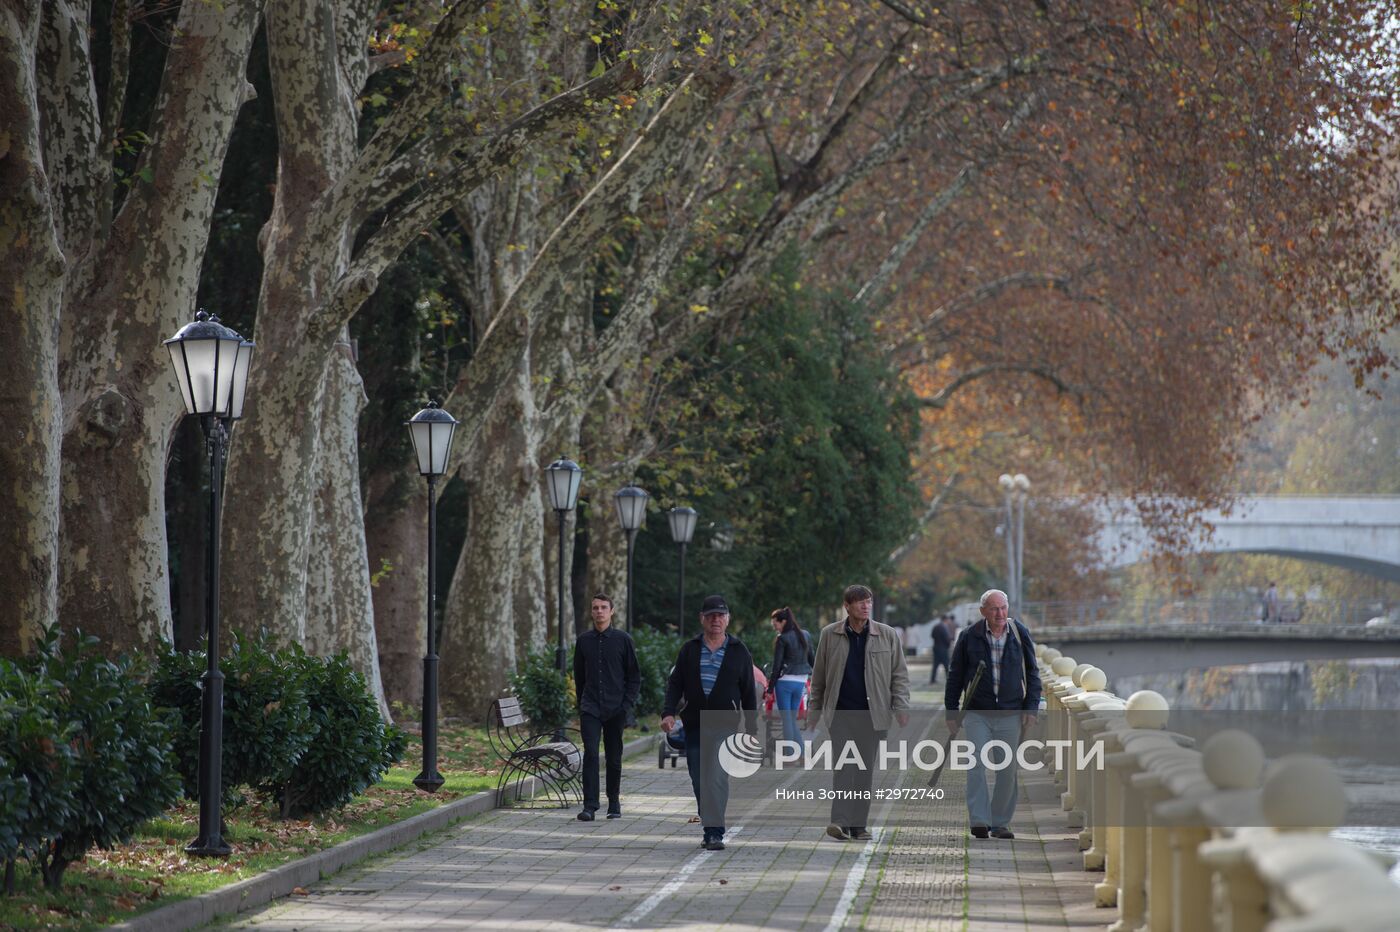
91,747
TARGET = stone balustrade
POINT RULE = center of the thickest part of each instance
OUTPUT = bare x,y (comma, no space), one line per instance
1212,837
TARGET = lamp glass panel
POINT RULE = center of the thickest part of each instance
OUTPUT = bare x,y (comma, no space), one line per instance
199,357
240,379
682,524
225,361
441,445
182,373
575,479
631,508
422,433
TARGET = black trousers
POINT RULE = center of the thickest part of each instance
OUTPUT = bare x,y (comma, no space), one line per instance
851,807
610,730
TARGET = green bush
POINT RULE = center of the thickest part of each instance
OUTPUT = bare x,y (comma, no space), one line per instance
546,695
266,725
349,745
656,654
121,747
36,765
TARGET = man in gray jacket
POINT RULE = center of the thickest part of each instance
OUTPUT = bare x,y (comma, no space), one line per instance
859,684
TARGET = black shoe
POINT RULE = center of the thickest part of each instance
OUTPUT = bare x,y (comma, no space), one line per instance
858,833
614,812
586,815
713,844
979,831
1003,833
837,832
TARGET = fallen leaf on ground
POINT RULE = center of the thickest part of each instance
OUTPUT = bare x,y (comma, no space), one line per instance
299,891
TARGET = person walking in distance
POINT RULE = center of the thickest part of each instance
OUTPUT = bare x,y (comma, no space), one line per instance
1004,704
945,632
859,685
792,664
714,675
607,682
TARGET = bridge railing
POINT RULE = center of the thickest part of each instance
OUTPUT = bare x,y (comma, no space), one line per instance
1205,838
1204,611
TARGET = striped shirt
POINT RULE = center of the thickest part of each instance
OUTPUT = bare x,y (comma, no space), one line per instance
710,661
997,644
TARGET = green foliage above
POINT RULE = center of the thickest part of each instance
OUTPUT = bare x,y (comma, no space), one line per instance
791,437
656,653
546,695
266,726
36,761
305,731
351,746
120,746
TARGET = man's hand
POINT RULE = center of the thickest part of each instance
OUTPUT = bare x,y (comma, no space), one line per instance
1027,721
902,718
953,726
668,723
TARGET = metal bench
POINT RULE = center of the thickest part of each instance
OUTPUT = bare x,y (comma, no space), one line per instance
557,764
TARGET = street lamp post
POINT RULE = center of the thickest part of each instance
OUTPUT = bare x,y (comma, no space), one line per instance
1023,487
631,514
682,522
563,478
431,430
1016,488
211,367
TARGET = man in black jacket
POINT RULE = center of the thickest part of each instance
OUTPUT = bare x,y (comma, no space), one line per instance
1004,705
607,682
713,674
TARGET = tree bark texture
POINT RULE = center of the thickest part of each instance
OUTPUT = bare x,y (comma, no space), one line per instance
130,287
396,522
479,642
339,609
31,283
277,469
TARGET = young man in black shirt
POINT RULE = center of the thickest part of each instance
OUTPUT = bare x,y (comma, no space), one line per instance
607,682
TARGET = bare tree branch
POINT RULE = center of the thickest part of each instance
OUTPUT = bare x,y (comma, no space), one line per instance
941,399
912,14
940,202
486,158
985,292
931,512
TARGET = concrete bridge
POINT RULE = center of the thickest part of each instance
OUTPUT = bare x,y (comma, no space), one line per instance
1358,532
1133,650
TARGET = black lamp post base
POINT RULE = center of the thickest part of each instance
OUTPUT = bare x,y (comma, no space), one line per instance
429,782
215,848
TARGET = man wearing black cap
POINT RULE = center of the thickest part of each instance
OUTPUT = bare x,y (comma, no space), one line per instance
713,674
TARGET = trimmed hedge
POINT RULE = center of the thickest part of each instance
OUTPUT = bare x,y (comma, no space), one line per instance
88,752
304,731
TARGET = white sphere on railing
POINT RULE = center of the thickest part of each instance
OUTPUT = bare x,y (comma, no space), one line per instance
1063,666
1039,651
1050,655
1078,672
1147,709
1233,760
1093,679
1303,791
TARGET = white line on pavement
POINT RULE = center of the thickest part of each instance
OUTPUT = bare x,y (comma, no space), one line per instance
853,881
655,900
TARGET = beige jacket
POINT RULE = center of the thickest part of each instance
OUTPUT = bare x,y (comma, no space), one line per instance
886,676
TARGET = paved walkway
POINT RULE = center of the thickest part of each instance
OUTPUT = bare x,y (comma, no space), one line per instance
542,869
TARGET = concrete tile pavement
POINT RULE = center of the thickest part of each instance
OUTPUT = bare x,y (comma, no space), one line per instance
542,869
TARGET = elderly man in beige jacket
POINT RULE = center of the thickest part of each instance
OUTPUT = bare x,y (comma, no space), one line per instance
859,683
